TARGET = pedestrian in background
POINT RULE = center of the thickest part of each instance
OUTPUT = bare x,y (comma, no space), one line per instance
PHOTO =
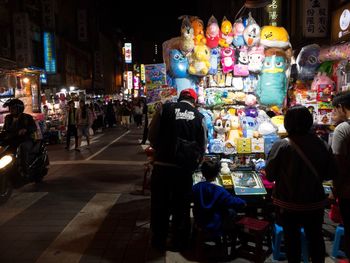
84,122
145,125
71,125
341,150
126,113
171,184
138,113
298,165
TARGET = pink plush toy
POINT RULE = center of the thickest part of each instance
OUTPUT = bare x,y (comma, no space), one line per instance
241,66
238,28
321,79
250,100
212,33
227,59
256,56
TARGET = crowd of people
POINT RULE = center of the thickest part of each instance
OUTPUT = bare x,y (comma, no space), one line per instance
90,118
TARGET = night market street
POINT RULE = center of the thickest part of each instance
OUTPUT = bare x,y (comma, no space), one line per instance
86,210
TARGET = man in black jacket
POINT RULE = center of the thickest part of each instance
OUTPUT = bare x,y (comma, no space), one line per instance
171,183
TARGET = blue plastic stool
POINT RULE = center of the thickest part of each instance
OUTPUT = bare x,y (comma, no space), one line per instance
276,244
339,232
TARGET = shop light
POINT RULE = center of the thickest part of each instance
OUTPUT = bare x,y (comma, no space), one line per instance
26,80
63,90
71,88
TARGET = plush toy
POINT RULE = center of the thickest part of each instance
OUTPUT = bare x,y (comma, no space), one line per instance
225,170
220,129
307,62
250,83
199,61
238,28
200,92
214,59
273,36
187,35
278,121
250,100
237,83
272,86
227,59
256,57
251,33
198,31
235,131
226,35
251,111
241,66
321,79
178,64
249,125
208,117
212,33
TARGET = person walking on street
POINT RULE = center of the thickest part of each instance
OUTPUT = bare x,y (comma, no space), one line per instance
84,122
341,150
299,164
171,182
138,114
126,113
145,127
71,125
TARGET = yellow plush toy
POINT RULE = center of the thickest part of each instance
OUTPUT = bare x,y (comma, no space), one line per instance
235,131
198,30
199,61
273,36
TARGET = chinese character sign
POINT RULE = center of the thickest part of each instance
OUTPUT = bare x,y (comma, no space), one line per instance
315,23
155,74
128,53
49,52
274,12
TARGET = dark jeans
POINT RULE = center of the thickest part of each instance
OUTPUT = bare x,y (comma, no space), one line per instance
138,119
72,130
171,190
344,206
145,130
312,222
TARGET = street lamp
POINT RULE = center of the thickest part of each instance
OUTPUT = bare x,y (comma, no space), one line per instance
26,80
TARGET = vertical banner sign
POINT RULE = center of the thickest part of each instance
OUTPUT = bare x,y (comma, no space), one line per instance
274,12
49,52
315,18
143,76
48,14
128,53
23,40
82,26
129,80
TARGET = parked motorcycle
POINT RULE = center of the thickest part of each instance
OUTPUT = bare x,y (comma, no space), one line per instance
12,174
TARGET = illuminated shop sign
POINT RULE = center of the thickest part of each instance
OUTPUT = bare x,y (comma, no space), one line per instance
341,24
128,52
274,12
143,75
49,52
129,80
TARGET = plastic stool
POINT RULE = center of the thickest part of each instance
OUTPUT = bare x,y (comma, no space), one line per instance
276,244
339,232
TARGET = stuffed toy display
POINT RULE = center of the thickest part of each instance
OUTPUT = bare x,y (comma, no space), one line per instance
272,86
307,62
273,36
212,33
251,33
321,79
198,31
226,35
200,61
227,59
214,60
178,64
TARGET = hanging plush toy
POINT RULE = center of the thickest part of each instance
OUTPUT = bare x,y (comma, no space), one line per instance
272,86
187,35
307,62
321,79
251,33
227,59
214,60
256,56
200,61
241,66
250,83
212,33
238,28
198,30
273,36
226,35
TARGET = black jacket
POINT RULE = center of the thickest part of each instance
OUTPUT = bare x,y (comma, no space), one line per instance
174,120
24,121
296,186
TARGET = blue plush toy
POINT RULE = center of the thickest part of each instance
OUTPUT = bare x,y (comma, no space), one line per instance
214,58
208,117
249,125
308,62
178,64
272,86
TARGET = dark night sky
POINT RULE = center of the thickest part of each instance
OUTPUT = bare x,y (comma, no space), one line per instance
149,20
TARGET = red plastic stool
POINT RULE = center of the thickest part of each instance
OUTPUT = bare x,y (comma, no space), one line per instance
255,237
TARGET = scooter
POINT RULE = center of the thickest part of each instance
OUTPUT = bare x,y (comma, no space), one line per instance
12,174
